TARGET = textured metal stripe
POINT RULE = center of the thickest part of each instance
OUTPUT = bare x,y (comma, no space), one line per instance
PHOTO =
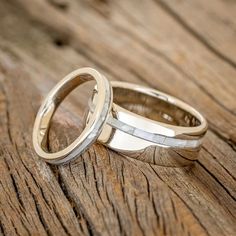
152,137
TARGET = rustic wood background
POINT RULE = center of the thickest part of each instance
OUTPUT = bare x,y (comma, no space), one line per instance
186,48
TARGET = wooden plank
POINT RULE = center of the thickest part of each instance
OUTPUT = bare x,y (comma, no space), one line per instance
104,192
211,22
30,192
177,66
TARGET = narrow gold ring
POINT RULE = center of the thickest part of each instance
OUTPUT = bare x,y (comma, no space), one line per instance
92,129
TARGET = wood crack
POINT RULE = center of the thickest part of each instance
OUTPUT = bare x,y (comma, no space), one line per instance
39,213
194,33
216,179
91,228
230,142
215,158
2,230
14,183
189,208
137,217
73,204
7,115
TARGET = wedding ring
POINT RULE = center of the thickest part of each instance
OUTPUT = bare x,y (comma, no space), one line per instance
92,129
152,126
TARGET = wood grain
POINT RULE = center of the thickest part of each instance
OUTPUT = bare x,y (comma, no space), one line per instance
184,48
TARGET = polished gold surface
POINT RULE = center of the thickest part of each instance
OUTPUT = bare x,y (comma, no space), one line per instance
153,126
143,123
93,127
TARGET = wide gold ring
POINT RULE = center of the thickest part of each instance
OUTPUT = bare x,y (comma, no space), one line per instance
172,137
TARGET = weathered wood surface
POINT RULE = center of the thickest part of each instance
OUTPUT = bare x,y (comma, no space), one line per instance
186,48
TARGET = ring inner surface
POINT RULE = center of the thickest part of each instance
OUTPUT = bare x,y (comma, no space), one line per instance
153,108
51,117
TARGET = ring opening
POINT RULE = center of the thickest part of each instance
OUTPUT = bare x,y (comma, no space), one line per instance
72,112
92,128
157,109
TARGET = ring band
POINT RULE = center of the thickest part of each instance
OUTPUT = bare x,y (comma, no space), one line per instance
174,139
92,129
143,123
